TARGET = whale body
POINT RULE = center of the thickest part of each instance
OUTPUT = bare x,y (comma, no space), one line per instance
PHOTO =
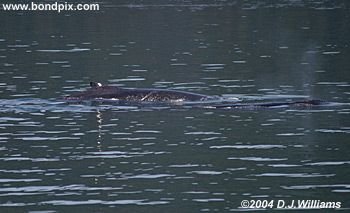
99,91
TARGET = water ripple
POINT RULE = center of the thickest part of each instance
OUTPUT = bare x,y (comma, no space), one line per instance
29,159
94,202
257,159
261,146
18,180
328,163
206,172
147,176
64,51
293,175
333,130
57,188
46,138
209,200
315,186
202,133
184,165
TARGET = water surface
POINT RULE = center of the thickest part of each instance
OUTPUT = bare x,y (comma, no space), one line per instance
58,157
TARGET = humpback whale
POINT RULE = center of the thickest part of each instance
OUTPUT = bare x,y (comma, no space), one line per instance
100,92
105,92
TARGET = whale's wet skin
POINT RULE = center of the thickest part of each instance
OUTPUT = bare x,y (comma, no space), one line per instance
99,92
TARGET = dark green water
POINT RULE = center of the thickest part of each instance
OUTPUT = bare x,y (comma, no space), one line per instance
57,157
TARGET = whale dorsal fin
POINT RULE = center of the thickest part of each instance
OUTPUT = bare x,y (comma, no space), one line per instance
95,84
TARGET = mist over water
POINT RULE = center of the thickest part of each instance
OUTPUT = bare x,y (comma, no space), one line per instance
62,157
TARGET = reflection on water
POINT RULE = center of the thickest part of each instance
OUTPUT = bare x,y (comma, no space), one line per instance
56,155
102,156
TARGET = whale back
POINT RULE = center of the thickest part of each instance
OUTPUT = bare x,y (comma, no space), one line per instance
95,84
100,91
96,91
